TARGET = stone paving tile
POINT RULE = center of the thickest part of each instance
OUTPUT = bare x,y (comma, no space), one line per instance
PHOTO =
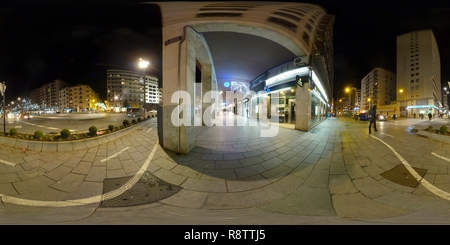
186,199
8,178
305,201
276,173
285,186
165,163
87,189
217,174
338,168
248,183
312,158
95,174
69,182
32,164
249,171
252,153
130,167
72,162
188,172
293,162
341,184
113,164
243,199
271,163
33,184
303,170
83,167
7,189
318,178
205,185
115,173
58,173
371,188
230,164
170,177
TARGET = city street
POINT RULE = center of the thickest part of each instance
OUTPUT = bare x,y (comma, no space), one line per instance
75,122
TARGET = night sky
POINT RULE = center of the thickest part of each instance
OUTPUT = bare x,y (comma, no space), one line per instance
77,41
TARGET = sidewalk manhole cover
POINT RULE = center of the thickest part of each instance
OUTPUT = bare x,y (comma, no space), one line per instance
402,176
148,189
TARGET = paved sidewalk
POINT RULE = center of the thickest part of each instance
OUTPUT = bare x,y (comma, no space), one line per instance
334,174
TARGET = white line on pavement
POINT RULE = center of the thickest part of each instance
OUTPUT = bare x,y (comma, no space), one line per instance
441,157
7,163
106,159
419,178
149,130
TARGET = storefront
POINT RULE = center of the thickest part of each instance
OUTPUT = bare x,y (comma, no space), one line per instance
301,98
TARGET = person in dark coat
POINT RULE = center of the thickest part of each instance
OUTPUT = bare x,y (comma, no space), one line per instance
429,116
373,118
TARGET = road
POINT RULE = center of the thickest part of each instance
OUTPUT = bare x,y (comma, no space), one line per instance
54,123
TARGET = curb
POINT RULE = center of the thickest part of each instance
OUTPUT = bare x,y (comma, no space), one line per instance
59,146
434,136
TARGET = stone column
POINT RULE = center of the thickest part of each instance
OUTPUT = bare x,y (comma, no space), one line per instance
303,108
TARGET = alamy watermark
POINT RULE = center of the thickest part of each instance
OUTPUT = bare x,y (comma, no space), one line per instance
183,114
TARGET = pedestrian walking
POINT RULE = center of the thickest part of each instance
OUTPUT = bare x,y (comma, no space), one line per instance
429,116
414,115
373,118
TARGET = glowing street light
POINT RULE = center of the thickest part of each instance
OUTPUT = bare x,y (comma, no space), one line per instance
347,89
143,64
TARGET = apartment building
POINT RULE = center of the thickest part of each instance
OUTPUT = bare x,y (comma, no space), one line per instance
47,96
126,89
79,98
418,73
378,88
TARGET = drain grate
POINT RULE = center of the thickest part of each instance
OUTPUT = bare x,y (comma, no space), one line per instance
148,189
402,176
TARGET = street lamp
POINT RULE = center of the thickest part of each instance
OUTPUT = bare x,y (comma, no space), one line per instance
401,91
3,91
115,102
346,90
143,64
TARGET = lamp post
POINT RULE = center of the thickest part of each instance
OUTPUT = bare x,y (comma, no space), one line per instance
401,91
115,102
3,90
143,64
346,90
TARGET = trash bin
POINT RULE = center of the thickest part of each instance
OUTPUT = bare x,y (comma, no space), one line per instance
363,116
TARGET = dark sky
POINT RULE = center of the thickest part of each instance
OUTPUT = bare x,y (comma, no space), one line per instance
76,41
365,34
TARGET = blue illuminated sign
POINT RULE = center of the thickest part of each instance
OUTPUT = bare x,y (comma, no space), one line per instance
226,84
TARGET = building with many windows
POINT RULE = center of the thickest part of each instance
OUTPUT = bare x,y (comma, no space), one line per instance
418,73
79,98
378,88
126,89
47,96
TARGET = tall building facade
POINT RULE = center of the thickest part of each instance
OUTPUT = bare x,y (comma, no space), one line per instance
126,89
79,98
418,73
378,88
47,96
